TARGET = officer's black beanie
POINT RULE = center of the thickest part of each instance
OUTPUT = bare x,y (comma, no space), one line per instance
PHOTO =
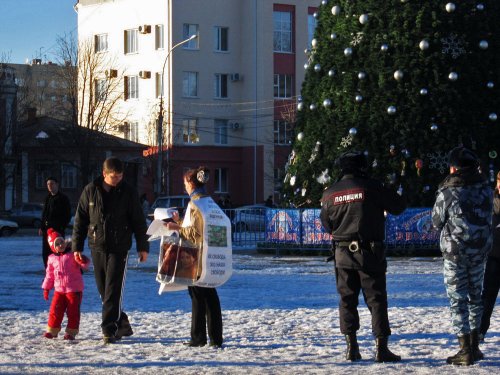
461,157
351,161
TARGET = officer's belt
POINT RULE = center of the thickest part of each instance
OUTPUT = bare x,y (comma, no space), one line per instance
354,246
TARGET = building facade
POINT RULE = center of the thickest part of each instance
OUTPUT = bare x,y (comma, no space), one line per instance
227,97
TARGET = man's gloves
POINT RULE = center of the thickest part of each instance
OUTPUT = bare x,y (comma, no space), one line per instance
46,294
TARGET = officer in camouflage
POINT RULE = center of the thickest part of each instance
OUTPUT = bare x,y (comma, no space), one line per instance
463,212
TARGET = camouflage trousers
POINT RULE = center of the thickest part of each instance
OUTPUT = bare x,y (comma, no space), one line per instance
463,280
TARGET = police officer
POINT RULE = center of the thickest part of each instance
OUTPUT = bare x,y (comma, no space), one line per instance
353,212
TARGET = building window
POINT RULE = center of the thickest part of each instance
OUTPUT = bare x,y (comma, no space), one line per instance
131,41
282,31
221,38
100,90
42,172
159,39
190,84
221,180
131,131
283,86
131,87
68,176
189,30
189,131
283,133
159,84
101,43
220,132
311,27
220,85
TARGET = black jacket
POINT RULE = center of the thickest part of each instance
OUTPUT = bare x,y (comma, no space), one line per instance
109,231
56,212
353,210
495,250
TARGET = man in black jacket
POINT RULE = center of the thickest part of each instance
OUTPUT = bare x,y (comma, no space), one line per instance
109,212
353,212
56,215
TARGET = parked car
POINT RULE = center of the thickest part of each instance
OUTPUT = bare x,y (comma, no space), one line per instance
28,215
8,227
178,201
249,218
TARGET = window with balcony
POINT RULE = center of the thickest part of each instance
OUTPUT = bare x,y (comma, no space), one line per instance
282,40
131,87
68,176
189,30
283,84
220,180
190,84
101,43
220,132
131,44
221,38
189,131
283,132
220,85
159,37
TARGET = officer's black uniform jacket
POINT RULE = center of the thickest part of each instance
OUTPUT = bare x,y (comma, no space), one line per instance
56,212
353,210
109,231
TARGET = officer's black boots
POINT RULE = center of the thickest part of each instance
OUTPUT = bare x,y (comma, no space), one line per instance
383,354
474,345
352,352
464,355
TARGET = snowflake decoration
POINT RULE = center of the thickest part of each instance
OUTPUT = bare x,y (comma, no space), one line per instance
453,45
439,161
346,141
324,178
357,39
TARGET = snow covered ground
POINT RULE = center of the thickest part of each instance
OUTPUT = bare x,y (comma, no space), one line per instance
280,316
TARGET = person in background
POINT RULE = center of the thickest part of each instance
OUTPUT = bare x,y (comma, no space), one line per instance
109,212
269,202
353,212
462,212
491,284
64,273
206,309
56,214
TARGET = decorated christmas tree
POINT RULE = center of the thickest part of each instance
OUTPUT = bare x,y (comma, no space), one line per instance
404,81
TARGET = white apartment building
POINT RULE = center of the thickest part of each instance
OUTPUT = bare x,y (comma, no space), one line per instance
224,93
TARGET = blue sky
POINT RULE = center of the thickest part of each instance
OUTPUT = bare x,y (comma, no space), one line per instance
29,28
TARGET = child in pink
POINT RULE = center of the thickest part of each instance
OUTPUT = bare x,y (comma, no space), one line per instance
64,274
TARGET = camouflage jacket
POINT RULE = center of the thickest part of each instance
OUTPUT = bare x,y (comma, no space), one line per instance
463,212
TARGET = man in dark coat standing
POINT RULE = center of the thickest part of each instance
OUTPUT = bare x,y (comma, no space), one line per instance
109,212
353,212
56,215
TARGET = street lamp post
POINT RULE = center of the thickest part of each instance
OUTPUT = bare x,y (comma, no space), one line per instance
159,167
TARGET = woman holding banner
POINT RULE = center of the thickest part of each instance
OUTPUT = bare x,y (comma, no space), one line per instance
206,308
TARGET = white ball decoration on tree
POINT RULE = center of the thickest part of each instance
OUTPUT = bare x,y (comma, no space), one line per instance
312,107
434,127
336,10
384,48
327,103
300,106
306,66
363,19
398,75
423,91
361,75
358,98
490,85
324,2
450,7
348,51
300,136
333,36
493,116
331,73
314,43
483,44
391,110
315,14
317,68
423,45
353,132
480,6
453,76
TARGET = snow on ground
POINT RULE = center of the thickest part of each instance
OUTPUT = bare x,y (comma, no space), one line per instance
280,316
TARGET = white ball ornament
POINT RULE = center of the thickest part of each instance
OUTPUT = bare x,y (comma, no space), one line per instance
391,110
314,43
493,116
327,103
353,132
324,2
306,66
358,98
300,106
363,19
398,75
483,44
423,45
490,85
317,68
292,180
300,136
335,10
480,6
361,75
450,7
384,48
423,91
331,73
453,76
315,14
348,51
312,107
333,36
434,127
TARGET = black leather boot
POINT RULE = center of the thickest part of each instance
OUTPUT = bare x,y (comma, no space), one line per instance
352,352
474,346
464,355
383,354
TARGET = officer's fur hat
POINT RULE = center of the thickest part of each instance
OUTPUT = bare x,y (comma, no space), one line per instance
352,161
461,157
